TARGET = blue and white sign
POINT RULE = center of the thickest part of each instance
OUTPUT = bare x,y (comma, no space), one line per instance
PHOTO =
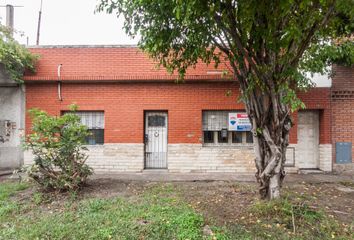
239,122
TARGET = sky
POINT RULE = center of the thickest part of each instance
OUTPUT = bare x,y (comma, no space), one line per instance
65,22
73,22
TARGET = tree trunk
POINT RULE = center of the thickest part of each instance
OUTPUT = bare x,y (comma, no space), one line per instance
271,124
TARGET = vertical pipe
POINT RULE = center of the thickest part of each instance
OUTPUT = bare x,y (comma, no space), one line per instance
59,82
10,17
39,23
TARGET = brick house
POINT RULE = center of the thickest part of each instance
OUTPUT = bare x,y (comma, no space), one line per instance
141,119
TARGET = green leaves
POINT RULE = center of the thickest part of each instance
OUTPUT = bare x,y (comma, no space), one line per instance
15,57
274,33
57,144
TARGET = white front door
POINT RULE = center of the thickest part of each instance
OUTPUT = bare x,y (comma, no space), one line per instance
307,152
155,140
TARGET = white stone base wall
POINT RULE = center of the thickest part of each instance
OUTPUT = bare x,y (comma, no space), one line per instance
325,157
196,158
199,158
110,157
189,158
347,168
116,157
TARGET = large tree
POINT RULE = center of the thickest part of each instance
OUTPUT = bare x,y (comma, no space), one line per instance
270,45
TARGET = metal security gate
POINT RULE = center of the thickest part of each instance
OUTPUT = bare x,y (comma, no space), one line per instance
155,140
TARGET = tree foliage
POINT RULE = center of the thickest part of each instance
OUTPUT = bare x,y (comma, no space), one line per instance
180,33
269,45
57,146
15,58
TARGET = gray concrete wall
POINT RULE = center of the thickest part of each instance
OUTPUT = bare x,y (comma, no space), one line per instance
12,108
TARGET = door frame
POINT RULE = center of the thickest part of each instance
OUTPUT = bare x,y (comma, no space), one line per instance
317,139
144,132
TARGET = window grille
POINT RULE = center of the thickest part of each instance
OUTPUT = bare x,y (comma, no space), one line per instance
156,121
94,121
208,137
222,138
215,120
215,130
249,137
236,137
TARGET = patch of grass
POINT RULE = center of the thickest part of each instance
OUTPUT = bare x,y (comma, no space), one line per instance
157,214
292,219
347,184
37,198
8,189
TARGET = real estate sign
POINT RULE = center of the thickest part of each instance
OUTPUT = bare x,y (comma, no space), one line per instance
239,122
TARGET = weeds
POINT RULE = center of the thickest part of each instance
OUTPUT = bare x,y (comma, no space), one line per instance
159,212
287,218
156,215
8,206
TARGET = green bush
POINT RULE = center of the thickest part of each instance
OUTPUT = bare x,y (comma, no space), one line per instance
58,146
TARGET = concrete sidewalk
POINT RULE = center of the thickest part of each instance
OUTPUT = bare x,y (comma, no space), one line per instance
6,171
164,176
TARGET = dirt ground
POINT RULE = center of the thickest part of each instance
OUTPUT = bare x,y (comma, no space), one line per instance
222,201
226,201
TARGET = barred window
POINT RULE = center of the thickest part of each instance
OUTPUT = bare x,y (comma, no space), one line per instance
223,136
94,121
236,137
216,129
208,136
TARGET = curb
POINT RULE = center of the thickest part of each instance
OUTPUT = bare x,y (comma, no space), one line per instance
5,173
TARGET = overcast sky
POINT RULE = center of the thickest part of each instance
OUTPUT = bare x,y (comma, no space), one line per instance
65,22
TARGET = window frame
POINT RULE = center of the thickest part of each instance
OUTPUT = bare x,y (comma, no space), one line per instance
229,143
90,129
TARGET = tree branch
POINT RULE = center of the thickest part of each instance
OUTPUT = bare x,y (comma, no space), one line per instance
310,34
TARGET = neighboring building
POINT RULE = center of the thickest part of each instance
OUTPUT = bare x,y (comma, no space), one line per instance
12,116
342,102
141,119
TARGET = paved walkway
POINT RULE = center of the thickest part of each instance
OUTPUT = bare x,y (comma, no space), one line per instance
165,176
161,176
5,171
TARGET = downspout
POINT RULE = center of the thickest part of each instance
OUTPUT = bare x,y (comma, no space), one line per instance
59,82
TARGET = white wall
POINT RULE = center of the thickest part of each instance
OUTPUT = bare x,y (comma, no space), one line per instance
11,108
321,80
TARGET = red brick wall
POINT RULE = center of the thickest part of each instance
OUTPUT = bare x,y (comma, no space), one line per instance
343,106
124,106
109,63
343,77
